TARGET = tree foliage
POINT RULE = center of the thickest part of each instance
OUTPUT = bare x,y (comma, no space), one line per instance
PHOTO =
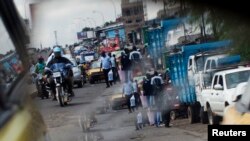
224,25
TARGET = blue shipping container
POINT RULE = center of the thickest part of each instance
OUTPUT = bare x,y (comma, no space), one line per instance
177,63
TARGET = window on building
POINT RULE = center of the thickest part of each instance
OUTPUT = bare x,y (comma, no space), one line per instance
136,11
138,20
127,12
129,21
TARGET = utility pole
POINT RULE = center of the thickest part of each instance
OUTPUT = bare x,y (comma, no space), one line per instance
55,32
41,45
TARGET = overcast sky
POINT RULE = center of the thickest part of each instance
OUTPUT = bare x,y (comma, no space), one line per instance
69,16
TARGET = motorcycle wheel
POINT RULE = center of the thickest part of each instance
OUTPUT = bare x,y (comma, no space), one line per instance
60,98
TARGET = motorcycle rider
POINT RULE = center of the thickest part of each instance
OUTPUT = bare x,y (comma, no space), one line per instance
39,70
84,69
58,62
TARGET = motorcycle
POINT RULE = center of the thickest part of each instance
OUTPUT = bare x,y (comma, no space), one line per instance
62,94
41,84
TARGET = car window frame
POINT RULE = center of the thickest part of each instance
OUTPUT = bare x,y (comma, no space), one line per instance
13,99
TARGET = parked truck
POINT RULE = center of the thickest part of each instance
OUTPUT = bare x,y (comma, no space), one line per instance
201,66
178,66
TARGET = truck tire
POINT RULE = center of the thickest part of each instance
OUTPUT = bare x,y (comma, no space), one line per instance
191,114
212,120
60,98
197,108
203,116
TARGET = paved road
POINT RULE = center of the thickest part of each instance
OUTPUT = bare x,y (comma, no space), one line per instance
63,122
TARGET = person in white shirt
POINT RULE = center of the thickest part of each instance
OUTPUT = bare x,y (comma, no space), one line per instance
113,67
136,93
128,92
105,66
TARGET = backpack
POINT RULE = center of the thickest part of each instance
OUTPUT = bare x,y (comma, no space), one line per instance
136,57
157,83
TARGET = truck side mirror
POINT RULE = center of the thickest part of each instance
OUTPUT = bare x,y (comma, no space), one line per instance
218,87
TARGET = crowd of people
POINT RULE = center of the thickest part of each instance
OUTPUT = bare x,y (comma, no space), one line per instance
148,94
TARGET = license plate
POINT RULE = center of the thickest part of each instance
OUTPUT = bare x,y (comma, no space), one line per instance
56,74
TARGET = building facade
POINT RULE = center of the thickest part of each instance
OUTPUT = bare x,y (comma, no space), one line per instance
133,17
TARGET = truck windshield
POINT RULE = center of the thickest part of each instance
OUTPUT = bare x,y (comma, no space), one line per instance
200,61
233,79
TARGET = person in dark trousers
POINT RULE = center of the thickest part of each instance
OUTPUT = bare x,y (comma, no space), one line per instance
148,90
166,103
135,57
105,66
157,84
126,65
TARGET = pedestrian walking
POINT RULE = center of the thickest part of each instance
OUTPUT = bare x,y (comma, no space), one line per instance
136,93
127,92
135,57
105,66
114,66
126,65
167,104
148,90
157,84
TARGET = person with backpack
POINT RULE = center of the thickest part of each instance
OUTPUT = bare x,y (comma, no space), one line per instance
148,90
126,65
157,84
135,57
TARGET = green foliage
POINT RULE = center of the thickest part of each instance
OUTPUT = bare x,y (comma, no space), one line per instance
224,25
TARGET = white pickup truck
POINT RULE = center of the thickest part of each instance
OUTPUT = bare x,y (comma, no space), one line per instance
201,68
226,86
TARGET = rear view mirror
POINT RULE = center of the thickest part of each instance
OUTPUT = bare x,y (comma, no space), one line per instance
218,87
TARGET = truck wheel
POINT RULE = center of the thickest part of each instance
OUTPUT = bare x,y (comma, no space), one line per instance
203,116
210,116
191,114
